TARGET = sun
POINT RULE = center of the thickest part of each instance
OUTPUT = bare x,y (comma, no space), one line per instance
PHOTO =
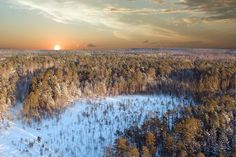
57,47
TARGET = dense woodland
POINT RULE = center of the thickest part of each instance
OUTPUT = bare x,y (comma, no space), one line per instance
46,84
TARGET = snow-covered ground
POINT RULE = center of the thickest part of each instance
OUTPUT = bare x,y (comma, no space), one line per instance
84,129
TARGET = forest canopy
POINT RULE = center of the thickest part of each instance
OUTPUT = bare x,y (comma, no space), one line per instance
48,83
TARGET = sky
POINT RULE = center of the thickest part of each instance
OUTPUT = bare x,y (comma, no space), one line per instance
107,24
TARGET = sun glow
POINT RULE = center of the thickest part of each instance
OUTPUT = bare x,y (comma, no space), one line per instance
57,47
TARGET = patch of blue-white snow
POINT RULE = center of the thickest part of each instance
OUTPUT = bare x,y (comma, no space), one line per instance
84,129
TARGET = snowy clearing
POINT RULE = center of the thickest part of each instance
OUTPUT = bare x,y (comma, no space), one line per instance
85,129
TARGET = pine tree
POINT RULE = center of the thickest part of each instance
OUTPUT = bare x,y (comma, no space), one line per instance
151,142
200,154
133,152
121,147
145,152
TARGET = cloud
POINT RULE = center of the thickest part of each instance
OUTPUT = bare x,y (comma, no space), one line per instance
173,11
151,42
146,41
158,1
91,45
62,11
142,11
122,35
165,21
75,11
123,10
213,9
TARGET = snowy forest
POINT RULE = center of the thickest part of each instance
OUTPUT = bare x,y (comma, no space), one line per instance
201,88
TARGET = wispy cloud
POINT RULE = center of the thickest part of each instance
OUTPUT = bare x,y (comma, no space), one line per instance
213,9
158,1
142,11
91,45
146,41
122,35
74,11
123,10
157,21
63,11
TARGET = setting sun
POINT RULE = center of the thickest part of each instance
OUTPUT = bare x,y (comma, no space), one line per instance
57,47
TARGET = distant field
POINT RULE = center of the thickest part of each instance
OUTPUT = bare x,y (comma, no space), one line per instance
164,52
